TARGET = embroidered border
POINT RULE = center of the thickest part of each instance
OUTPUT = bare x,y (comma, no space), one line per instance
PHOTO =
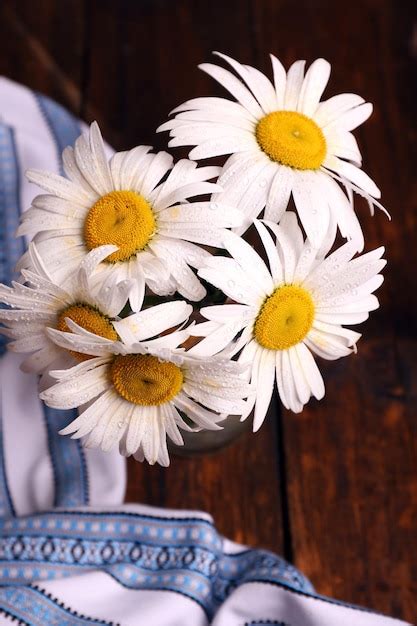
13,617
183,555
266,622
35,607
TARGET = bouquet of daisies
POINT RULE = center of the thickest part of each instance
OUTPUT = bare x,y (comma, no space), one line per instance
111,236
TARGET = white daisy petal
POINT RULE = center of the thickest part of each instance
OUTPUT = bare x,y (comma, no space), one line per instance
220,146
116,427
180,194
88,419
265,92
305,262
343,211
310,371
302,388
228,276
353,118
96,435
213,213
72,171
280,80
343,144
53,204
171,416
158,167
327,346
152,321
255,197
86,163
217,105
257,82
249,260
210,116
90,385
279,193
240,173
295,77
132,167
201,416
218,339
99,155
354,174
59,186
287,249
313,212
234,86
274,261
350,336
329,110
278,378
315,81
288,383
266,376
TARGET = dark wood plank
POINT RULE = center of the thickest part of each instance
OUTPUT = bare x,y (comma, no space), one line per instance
352,480
42,47
238,486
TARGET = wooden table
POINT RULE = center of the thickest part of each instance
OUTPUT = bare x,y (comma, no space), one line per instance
335,489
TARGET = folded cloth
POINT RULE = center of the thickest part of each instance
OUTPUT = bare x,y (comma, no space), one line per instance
70,552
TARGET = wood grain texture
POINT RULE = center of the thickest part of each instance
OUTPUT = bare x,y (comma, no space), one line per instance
334,489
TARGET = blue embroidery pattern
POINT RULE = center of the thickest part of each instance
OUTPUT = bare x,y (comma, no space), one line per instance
31,605
267,623
141,552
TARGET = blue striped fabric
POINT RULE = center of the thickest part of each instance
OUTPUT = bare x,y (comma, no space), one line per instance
11,248
67,455
6,504
63,126
10,251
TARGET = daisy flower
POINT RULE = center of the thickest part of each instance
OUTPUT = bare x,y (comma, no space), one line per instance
283,141
286,313
124,203
40,302
138,390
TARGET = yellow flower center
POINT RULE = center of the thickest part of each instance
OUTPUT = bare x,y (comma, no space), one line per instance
292,139
285,318
144,379
88,318
122,218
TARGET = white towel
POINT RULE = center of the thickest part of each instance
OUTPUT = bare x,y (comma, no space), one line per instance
70,552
